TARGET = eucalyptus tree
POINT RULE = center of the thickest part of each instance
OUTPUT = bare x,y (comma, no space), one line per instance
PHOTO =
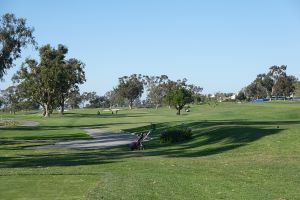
255,90
130,87
285,86
114,98
74,99
157,88
69,75
11,98
266,81
14,35
50,81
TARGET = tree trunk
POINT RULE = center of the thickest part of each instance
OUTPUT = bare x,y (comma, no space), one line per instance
62,105
62,109
156,107
46,110
130,105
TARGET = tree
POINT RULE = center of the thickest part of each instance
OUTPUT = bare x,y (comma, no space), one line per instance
179,97
179,94
275,72
241,96
157,88
114,98
88,97
1,102
14,35
11,98
74,99
50,81
130,88
100,102
255,90
285,86
35,83
69,75
265,81
171,85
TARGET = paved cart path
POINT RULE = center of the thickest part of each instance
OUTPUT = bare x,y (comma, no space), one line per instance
100,139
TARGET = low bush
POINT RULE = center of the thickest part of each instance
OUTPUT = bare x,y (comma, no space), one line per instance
173,135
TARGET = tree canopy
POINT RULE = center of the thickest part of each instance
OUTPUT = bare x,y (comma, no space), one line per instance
14,35
130,87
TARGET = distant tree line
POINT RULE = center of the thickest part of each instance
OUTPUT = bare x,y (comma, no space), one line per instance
160,90
276,83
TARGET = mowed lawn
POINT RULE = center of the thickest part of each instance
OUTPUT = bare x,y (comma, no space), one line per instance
238,151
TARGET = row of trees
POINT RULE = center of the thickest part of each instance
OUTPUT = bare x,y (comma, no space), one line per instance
274,83
56,85
160,89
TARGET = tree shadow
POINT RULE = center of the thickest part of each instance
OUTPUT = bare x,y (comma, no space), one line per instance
53,160
214,141
212,137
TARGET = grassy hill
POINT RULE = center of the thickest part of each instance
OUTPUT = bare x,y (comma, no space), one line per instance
238,151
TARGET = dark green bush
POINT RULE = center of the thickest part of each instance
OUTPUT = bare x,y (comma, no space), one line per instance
173,135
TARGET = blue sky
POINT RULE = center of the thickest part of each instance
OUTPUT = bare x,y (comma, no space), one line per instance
219,45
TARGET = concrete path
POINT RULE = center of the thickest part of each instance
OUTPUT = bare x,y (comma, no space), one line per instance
30,123
100,139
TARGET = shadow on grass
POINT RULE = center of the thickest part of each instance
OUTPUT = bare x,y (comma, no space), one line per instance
50,160
213,141
212,137
209,138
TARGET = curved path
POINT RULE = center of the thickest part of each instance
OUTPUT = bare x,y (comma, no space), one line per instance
100,139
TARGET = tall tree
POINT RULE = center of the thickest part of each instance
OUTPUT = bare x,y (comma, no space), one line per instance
275,72
255,90
88,97
285,86
11,98
74,99
266,81
179,97
70,75
14,35
180,94
157,88
130,87
114,98
49,81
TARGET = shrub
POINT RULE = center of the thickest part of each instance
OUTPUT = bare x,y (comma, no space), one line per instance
173,135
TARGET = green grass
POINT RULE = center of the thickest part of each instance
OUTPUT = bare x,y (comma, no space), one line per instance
238,151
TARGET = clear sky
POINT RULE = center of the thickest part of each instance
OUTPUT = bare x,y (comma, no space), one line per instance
219,45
